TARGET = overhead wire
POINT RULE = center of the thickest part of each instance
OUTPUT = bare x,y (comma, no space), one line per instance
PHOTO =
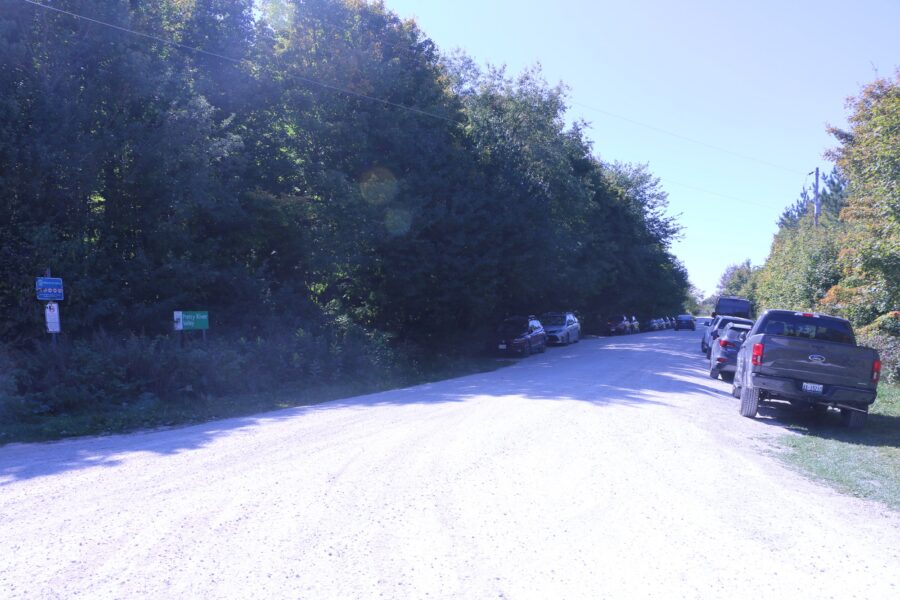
425,113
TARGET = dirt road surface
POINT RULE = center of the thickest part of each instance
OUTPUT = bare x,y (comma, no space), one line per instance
614,468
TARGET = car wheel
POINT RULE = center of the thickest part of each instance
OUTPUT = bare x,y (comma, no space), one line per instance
527,350
543,347
729,377
749,401
713,373
702,347
567,342
854,419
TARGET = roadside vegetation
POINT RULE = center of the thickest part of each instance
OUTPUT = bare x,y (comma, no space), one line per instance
349,204
865,463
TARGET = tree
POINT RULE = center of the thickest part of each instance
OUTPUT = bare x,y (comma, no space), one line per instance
869,155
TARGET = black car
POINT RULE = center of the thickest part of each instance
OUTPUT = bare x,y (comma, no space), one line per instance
685,322
521,335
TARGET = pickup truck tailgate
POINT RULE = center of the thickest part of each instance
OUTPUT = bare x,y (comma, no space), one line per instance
817,361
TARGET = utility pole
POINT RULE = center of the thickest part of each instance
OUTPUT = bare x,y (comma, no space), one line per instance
816,207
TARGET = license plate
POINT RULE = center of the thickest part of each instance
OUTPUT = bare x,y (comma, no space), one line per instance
813,388
501,347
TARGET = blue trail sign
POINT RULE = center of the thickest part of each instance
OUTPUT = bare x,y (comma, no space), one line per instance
49,288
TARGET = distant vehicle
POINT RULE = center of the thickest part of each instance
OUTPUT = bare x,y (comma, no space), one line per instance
521,335
810,360
724,351
685,322
733,306
618,325
715,328
635,325
561,327
704,321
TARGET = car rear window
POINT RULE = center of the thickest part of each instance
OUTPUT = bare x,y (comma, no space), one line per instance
726,320
813,328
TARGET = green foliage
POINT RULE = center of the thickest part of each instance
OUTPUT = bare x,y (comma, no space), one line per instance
272,188
869,155
884,335
802,266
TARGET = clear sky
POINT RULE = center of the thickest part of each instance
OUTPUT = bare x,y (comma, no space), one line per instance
755,83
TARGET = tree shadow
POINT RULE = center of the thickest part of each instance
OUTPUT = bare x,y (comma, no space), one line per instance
879,431
633,372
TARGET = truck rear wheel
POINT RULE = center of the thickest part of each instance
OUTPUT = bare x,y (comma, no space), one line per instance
749,401
854,419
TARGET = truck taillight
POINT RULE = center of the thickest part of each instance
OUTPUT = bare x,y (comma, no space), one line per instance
876,370
757,356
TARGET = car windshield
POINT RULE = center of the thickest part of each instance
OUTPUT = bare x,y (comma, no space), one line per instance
512,327
553,320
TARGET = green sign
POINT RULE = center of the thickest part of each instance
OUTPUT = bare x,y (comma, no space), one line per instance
191,320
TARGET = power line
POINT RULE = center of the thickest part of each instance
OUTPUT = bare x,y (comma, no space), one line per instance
687,139
418,111
231,59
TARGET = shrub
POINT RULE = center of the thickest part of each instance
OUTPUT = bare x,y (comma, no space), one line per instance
884,335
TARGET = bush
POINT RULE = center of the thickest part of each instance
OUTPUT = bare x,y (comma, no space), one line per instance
106,371
884,335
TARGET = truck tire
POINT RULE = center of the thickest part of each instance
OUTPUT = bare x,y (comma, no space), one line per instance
854,419
749,401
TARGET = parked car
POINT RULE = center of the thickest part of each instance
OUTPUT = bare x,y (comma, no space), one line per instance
561,327
713,331
521,335
685,322
724,351
705,321
810,360
635,325
618,325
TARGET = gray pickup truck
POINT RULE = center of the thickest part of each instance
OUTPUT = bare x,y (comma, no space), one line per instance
809,360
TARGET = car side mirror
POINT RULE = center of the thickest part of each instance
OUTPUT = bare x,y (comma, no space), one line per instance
714,334
744,336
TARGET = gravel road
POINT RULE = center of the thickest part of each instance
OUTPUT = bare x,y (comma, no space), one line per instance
613,468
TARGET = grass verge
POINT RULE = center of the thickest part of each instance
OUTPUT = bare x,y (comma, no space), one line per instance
865,463
20,426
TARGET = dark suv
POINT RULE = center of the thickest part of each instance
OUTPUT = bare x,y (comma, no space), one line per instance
685,322
521,335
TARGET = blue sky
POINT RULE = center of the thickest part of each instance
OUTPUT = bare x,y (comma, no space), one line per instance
755,83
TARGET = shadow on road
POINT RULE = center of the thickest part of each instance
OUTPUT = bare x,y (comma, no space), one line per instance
635,371
879,431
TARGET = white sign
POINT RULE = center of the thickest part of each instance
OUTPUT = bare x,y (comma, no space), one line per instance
179,324
51,314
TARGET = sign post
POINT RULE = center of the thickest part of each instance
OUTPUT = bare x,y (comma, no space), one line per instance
50,290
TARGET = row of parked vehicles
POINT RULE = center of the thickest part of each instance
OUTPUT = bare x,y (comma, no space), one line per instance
623,325
809,360
527,335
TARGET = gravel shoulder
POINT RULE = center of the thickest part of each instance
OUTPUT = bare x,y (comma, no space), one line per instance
611,468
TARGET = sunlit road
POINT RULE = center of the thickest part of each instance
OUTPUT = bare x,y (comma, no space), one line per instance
613,468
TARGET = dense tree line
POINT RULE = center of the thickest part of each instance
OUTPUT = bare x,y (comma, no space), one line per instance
306,169
849,264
